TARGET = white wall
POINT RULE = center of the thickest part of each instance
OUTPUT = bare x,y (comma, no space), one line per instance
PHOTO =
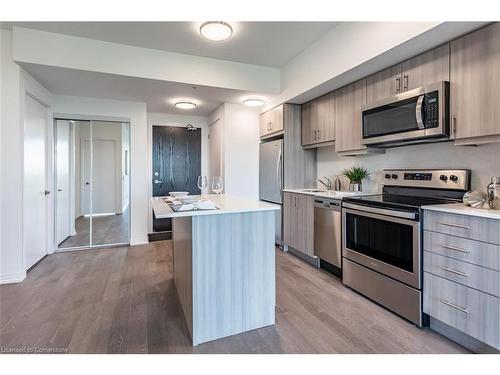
167,119
216,144
135,113
240,148
482,160
15,83
11,160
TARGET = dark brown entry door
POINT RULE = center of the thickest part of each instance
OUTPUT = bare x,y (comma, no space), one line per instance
176,164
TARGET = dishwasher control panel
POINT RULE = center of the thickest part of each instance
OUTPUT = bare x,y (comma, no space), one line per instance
333,204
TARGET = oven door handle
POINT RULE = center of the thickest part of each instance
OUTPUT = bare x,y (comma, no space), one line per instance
418,112
381,211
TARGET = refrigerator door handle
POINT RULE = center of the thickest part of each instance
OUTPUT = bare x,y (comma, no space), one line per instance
278,174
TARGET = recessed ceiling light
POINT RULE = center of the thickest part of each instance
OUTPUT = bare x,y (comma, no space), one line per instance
253,102
185,105
216,30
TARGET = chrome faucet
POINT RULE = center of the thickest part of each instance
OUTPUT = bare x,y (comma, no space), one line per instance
327,184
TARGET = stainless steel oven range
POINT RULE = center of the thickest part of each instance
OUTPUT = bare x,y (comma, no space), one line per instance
382,236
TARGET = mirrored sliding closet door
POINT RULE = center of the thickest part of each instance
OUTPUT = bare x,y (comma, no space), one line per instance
92,178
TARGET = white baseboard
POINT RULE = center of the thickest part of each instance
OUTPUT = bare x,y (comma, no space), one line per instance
139,241
12,278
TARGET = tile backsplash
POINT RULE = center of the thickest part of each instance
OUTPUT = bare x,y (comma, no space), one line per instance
483,161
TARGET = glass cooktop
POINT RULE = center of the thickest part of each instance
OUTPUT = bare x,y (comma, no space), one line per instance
405,202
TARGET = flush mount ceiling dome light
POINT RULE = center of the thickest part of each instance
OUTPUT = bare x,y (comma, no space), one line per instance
185,105
253,102
216,30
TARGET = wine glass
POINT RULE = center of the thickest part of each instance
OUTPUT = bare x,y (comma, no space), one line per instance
202,183
217,185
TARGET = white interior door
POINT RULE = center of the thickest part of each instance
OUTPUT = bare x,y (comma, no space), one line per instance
35,182
103,176
63,184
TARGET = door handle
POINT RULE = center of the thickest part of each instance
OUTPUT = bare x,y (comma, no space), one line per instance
418,112
87,183
158,182
46,192
59,189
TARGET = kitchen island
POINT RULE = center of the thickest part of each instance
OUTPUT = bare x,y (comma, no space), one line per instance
224,265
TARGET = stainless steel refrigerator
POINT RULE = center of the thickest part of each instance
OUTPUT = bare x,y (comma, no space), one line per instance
271,178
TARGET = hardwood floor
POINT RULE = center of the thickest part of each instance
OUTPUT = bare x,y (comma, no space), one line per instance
123,300
109,229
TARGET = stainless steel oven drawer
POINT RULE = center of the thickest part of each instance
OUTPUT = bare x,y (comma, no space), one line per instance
466,309
470,251
396,296
477,277
471,227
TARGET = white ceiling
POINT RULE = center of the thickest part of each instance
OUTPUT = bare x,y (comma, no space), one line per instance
261,43
159,96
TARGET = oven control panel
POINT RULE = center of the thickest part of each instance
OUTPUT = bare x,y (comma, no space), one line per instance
456,179
416,176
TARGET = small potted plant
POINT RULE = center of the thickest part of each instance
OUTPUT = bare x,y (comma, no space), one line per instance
355,176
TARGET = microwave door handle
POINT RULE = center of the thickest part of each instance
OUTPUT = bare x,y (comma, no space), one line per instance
418,112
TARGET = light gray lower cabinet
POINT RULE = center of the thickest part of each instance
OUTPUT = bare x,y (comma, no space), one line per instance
462,274
465,309
298,222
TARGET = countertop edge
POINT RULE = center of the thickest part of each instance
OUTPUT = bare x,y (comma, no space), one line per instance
460,209
169,214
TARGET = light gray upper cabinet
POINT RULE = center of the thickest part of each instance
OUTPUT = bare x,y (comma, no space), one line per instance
318,127
348,103
429,67
306,125
475,86
271,122
383,84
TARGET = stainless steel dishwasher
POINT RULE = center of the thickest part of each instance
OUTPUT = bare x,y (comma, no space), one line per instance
327,233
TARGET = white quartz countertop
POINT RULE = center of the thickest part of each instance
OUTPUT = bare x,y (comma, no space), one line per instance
461,209
327,193
227,204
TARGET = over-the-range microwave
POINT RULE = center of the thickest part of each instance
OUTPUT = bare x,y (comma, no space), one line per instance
416,116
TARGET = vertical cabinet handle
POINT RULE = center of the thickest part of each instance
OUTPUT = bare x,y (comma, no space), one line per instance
398,85
454,125
405,82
